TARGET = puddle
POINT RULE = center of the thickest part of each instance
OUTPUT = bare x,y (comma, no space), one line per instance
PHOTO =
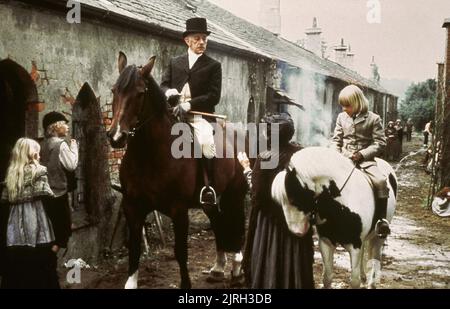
403,261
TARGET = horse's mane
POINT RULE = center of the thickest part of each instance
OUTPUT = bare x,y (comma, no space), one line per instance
156,95
128,79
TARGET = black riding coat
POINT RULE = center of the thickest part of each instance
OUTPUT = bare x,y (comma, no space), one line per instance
205,80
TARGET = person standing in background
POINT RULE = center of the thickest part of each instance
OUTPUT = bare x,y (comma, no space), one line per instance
427,131
409,129
61,159
399,132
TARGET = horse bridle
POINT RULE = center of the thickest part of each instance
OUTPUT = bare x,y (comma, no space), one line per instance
140,124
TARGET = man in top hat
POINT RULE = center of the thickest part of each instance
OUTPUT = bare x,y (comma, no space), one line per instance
61,159
193,82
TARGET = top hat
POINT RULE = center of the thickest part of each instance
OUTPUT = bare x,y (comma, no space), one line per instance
51,118
196,25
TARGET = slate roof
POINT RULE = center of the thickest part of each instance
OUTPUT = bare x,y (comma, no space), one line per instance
229,30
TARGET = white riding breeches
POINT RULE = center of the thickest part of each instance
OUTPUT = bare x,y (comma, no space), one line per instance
203,130
204,133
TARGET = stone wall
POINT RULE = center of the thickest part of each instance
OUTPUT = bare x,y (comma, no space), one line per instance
62,56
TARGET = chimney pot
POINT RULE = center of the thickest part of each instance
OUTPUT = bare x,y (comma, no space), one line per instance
340,53
313,40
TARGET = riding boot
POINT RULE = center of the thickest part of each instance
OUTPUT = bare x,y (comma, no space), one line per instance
208,194
382,226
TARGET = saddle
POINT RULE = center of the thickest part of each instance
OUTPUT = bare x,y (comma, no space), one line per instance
362,167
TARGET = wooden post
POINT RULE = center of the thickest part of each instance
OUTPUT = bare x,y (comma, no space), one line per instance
436,172
445,162
439,116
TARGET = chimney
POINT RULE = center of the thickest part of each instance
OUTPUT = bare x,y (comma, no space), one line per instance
375,73
269,16
313,40
340,53
350,58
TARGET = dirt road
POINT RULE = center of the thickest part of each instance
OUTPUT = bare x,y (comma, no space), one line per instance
416,255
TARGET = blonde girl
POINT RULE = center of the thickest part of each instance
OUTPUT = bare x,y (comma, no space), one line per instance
29,259
24,156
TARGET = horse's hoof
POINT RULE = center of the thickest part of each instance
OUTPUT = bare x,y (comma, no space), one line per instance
130,286
237,281
132,282
185,285
215,276
382,229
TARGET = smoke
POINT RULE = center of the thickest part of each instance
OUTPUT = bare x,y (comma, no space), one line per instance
313,124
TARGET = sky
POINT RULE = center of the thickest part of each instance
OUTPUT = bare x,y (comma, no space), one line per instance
407,42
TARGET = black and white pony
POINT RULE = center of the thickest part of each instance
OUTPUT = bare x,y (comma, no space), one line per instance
324,184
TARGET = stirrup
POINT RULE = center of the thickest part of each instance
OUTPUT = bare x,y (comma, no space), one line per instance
382,234
208,196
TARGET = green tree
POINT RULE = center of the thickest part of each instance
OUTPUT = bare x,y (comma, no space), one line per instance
419,103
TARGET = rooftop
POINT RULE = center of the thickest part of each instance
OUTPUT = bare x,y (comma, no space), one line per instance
228,30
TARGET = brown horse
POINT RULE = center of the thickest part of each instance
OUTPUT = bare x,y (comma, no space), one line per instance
152,179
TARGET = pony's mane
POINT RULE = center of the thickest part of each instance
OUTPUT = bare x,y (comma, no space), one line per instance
315,163
278,190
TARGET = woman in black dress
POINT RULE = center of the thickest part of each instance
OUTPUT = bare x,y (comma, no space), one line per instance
274,258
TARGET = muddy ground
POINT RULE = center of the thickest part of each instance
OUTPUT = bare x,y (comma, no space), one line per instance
416,255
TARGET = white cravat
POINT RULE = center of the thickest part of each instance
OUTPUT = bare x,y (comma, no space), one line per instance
193,57
186,91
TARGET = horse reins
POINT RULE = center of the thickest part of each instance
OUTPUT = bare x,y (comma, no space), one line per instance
350,175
